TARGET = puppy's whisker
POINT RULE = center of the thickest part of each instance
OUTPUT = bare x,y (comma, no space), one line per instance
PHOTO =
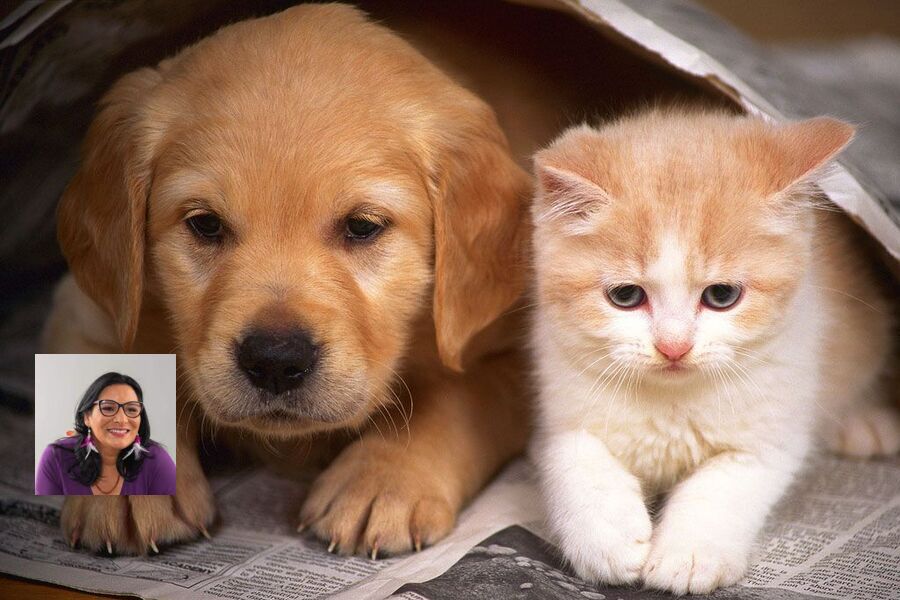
375,424
394,400
203,436
359,432
267,443
397,401
388,418
390,415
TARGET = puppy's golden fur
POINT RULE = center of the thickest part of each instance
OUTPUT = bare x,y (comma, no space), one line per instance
285,127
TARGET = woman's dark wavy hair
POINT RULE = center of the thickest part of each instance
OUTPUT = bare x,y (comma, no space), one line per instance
86,470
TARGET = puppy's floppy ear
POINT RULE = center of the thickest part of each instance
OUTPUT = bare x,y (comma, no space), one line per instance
102,213
480,231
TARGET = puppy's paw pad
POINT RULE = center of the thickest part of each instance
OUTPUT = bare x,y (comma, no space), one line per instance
196,506
398,523
130,525
99,524
374,506
170,519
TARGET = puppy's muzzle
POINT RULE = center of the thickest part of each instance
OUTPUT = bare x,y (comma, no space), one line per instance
277,361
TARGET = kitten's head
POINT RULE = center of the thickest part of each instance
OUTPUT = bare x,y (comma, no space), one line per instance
674,243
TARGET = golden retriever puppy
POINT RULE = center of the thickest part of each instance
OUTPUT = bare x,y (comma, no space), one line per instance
325,228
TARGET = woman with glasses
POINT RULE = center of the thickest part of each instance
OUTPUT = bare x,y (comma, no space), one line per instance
111,453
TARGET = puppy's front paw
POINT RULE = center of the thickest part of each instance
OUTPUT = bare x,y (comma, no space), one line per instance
137,524
99,523
610,544
375,500
693,566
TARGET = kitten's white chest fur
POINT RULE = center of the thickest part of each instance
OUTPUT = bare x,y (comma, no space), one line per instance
662,449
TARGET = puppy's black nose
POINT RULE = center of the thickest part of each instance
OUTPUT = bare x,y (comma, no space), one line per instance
277,361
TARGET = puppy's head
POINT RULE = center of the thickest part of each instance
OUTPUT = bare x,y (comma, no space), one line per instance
297,190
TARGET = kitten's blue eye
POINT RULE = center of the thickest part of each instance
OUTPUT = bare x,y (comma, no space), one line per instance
721,296
627,296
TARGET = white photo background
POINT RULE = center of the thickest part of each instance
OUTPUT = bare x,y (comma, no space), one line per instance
61,380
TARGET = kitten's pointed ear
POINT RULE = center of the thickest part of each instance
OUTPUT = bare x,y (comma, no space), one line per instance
565,196
807,146
567,174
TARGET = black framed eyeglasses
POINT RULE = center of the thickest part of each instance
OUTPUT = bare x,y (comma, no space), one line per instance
108,408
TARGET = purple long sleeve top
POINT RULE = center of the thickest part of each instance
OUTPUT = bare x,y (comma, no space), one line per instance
156,478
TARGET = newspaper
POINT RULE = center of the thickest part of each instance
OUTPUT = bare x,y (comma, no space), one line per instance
836,534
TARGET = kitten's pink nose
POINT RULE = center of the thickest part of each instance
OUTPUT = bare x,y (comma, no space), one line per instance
674,349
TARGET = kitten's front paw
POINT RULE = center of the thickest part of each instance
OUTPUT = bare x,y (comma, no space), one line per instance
692,567
611,544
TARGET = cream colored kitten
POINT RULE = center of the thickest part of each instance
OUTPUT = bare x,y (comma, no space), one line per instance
697,320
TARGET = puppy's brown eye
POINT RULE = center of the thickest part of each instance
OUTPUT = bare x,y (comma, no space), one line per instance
362,229
206,226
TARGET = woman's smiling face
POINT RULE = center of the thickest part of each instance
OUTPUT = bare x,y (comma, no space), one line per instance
119,430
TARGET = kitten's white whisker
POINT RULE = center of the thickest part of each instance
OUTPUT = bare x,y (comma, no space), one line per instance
727,385
628,368
615,362
731,384
717,373
629,392
709,372
613,397
745,352
599,385
745,375
851,296
591,353
518,308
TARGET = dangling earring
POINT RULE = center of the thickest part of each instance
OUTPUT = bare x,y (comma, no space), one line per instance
89,443
136,448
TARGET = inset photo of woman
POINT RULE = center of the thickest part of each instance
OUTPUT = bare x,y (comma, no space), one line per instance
93,415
